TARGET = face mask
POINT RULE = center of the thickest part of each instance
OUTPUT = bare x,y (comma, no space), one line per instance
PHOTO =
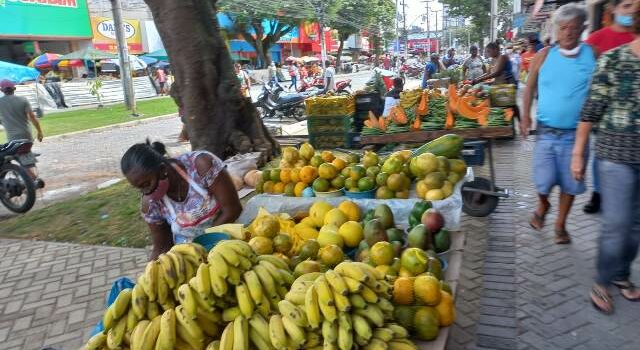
571,52
624,20
161,190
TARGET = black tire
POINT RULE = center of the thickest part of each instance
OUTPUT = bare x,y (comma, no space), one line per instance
478,204
29,190
298,113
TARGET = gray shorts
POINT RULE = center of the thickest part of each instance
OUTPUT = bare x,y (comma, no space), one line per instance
27,160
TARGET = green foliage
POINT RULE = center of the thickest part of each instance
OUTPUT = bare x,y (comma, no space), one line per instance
480,14
94,88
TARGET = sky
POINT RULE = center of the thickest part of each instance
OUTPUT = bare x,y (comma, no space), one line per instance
416,10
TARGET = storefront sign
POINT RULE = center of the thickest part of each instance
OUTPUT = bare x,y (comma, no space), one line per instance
44,19
104,35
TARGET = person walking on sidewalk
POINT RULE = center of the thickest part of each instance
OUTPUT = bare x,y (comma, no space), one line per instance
603,40
293,73
15,115
560,75
614,105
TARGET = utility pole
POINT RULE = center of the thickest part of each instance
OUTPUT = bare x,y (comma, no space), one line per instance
404,28
494,17
323,50
428,27
396,46
123,52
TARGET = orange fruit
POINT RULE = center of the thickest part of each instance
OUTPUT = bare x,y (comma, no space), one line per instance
339,163
278,188
308,174
403,291
289,189
327,171
295,175
427,290
327,156
320,185
285,175
299,187
267,187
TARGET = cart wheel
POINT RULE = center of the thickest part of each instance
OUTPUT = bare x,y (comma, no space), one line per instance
478,204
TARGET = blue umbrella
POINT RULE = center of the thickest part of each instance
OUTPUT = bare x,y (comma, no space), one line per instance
148,60
162,64
159,54
17,73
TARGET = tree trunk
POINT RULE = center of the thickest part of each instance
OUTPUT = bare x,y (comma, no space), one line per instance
339,55
216,112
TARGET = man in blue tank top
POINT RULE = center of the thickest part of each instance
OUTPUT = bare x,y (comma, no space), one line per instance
560,75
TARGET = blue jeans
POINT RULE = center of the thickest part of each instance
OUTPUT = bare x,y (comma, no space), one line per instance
552,161
620,236
294,82
594,166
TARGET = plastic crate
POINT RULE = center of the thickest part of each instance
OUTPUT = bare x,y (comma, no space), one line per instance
329,124
329,140
473,152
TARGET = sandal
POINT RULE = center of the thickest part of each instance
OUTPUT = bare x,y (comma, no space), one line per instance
628,286
562,237
604,298
537,221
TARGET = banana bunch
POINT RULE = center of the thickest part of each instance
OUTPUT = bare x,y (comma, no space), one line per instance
244,333
410,98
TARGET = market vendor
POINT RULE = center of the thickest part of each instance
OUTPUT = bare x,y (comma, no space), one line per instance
182,196
502,71
392,98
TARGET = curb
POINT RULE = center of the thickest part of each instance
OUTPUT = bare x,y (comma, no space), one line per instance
112,126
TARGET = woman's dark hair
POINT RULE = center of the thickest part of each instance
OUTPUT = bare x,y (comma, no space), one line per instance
615,3
147,157
494,45
398,82
636,22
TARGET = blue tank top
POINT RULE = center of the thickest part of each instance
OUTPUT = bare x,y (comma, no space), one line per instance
563,86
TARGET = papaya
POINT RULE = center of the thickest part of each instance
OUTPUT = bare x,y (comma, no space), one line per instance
423,106
450,122
373,120
508,114
400,116
417,123
449,146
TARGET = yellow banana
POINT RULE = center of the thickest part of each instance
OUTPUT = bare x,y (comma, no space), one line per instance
298,290
261,326
314,339
274,272
265,306
96,342
342,303
241,247
369,295
167,336
312,308
287,309
277,333
138,333
188,329
255,287
179,265
162,294
169,304
214,345
150,334
399,332
204,304
376,344
229,255
108,321
202,281
189,251
350,270
353,285
218,284
384,334
258,341
215,259
361,326
245,263
115,334
240,333
209,327
276,261
385,305
132,320
153,310
169,270
121,304
325,299
139,301
190,267
330,333
345,336
336,282
294,331
235,275
226,340
187,300
230,314
244,300
357,301
267,282
373,314
398,345
151,279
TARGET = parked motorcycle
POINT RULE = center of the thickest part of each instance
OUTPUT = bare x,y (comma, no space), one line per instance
342,86
17,189
274,102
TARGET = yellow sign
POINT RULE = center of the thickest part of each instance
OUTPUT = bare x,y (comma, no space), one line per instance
104,35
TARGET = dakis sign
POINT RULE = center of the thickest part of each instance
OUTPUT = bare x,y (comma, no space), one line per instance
44,19
104,34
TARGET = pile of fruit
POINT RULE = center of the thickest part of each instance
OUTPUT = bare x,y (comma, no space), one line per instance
330,105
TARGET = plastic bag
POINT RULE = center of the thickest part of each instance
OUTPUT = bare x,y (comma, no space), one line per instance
116,288
240,164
